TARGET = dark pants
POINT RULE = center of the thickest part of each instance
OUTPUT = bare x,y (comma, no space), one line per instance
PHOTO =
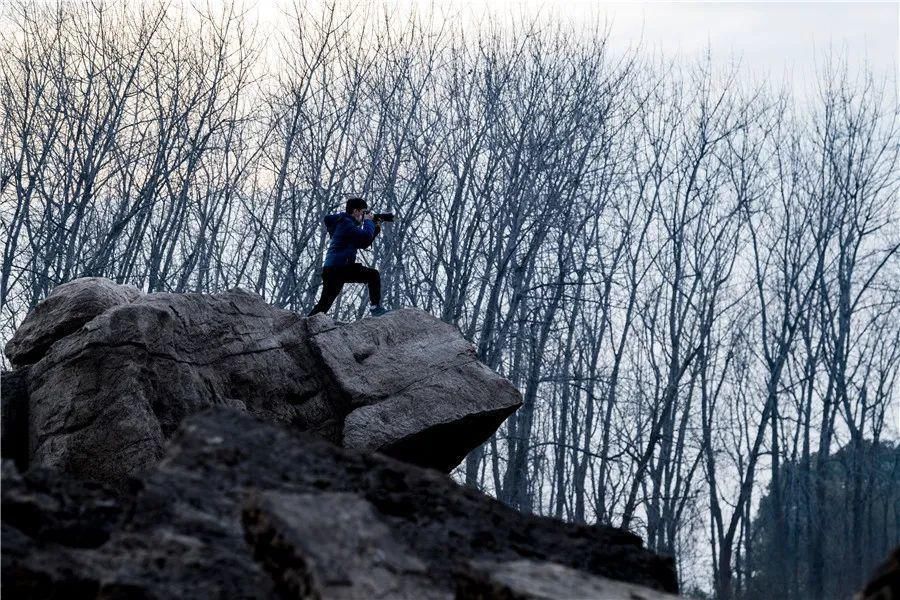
334,278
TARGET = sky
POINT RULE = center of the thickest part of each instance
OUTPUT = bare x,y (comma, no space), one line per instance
780,41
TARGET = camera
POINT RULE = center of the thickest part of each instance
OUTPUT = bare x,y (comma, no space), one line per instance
383,217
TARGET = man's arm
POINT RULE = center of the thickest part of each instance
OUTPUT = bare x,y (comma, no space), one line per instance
362,237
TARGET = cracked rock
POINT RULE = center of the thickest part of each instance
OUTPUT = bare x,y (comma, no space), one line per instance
63,312
333,545
113,379
239,508
389,365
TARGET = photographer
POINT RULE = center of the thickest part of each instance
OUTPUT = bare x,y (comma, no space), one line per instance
351,230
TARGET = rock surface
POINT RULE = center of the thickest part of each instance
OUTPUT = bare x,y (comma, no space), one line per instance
392,363
532,580
112,372
333,545
238,508
189,446
14,416
64,311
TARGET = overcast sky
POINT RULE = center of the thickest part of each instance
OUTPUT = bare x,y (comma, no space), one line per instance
773,39
776,40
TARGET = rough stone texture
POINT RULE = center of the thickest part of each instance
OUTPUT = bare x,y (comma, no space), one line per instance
233,497
387,365
51,523
54,509
532,580
333,545
64,311
14,416
120,385
237,502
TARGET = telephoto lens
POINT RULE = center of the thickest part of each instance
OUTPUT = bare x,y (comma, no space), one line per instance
384,217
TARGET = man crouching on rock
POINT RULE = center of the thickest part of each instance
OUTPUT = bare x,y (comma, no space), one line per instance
350,231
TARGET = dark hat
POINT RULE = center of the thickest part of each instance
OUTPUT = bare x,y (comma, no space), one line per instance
354,203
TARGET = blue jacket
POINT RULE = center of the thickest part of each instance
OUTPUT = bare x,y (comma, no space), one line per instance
346,238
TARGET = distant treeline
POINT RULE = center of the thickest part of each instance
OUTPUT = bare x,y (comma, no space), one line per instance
693,281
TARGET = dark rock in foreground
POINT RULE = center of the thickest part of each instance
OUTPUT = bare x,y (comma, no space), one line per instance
14,416
242,509
534,580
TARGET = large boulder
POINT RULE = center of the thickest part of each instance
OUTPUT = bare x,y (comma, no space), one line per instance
103,397
64,311
407,359
238,508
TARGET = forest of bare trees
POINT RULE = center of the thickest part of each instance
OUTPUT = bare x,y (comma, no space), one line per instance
693,281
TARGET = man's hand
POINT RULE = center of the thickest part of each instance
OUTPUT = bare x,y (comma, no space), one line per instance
368,216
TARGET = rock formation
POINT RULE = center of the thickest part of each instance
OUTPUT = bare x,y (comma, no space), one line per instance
213,446
238,508
112,371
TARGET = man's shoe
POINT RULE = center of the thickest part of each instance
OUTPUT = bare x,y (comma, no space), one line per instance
377,310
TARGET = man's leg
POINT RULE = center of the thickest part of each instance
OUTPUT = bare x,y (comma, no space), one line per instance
374,283
332,283
371,277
